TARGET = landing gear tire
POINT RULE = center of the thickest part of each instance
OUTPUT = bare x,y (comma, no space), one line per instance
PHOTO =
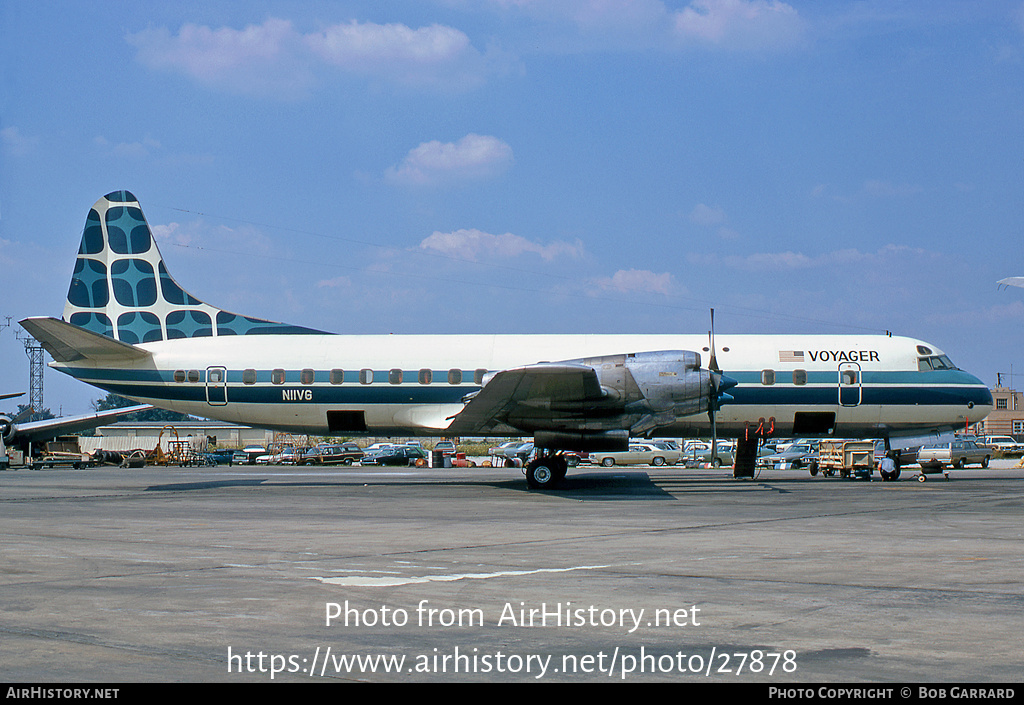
545,473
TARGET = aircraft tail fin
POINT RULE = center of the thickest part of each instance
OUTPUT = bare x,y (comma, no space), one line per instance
122,290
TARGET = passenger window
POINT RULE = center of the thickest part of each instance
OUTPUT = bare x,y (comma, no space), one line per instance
193,375
454,376
249,376
365,376
306,376
768,377
426,376
277,376
478,376
395,376
799,377
337,376
179,375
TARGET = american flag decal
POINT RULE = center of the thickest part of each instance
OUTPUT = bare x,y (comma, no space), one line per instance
791,355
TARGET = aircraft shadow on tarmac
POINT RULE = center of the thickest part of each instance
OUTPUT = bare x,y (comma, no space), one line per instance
626,485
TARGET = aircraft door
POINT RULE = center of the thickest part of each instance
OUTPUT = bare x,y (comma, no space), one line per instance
216,386
849,384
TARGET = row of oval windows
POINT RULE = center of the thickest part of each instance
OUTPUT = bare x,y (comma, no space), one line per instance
337,376
849,377
426,376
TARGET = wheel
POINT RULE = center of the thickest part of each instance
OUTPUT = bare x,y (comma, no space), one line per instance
959,463
542,473
814,468
608,462
984,462
658,462
921,477
716,463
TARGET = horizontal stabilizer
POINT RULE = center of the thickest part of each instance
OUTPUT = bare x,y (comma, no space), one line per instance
51,428
69,343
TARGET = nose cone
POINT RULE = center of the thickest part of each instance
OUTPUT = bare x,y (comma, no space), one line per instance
725,384
979,401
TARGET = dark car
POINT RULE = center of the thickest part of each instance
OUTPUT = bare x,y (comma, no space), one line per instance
397,455
335,454
219,457
248,455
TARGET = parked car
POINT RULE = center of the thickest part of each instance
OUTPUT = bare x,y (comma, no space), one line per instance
248,455
499,450
957,454
397,455
446,447
1003,444
334,454
637,454
521,452
797,455
701,453
219,457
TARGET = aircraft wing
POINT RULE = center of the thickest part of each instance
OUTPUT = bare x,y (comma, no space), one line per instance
51,428
1012,281
529,397
11,396
69,343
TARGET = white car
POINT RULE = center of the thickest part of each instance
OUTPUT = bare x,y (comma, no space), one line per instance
1004,444
638,454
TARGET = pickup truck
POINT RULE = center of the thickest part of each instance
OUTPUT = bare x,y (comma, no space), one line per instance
956,453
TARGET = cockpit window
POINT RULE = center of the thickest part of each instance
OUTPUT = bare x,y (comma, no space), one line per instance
935,362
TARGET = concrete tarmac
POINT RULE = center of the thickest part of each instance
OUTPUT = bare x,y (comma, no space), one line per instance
236,574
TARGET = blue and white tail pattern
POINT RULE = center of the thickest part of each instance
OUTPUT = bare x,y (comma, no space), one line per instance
121,288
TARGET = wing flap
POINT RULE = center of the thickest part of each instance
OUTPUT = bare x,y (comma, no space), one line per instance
69,343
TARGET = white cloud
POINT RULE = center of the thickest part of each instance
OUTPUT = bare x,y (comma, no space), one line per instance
725,24
472,157
274,59
836,260
135,150
16,143
642,280
739,24
477,245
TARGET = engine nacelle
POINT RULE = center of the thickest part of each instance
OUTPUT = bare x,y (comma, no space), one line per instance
6,428
661,382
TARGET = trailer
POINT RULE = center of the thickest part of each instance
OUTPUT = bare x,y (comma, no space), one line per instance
847,458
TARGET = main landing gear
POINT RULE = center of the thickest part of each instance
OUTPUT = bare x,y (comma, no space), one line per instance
546,470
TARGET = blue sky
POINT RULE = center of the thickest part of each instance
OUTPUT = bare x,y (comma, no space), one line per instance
530,166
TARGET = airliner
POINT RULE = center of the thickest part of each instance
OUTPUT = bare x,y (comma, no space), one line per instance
130,329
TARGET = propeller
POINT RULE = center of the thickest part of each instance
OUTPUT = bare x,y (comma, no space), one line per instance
718,385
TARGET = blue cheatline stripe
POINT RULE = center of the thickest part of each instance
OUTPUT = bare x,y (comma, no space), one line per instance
947,388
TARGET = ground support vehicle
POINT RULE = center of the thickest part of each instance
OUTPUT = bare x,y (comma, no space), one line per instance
847,458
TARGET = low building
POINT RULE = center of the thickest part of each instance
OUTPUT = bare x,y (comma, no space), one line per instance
1007,417
130,435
